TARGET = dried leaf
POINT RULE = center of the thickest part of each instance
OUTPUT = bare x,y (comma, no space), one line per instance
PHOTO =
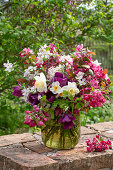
21,80
91,53
103,83
32,57
105,71
85,110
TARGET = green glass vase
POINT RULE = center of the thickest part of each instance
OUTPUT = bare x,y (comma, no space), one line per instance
55,136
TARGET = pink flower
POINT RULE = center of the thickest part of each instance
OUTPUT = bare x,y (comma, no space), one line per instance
34,107
109,142
88,142
103,142
95,99
97,136
45,119
98,145
79,48
94,83
25,51
89,149
27,112
27,119
32,123
40,123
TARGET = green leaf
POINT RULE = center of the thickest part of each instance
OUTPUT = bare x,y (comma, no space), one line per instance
91,72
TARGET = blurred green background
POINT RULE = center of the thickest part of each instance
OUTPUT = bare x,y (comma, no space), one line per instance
66,23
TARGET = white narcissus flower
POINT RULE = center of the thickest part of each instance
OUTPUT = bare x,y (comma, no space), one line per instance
55,87
96,63
40,83
82,81
9,66
71,88
60,92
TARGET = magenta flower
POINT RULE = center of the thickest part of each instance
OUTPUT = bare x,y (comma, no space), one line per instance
17,91
40,123
32,123
61,78
79,48
67,120
98,144
27,119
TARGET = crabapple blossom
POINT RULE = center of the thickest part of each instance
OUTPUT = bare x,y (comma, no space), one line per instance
9,66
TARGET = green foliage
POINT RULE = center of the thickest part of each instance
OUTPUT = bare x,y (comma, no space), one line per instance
96,115
12,113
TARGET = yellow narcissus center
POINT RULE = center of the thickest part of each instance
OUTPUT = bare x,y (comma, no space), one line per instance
72,91
55,88
61,94
39,84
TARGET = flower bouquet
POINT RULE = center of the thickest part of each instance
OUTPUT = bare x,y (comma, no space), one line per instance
59,87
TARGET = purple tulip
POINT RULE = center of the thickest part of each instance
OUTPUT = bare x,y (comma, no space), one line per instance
67,120
17,91
61,78
33,98
50,96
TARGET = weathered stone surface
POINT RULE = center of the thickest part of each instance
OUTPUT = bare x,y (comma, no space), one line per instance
37,136
19,158
105,169
108,134
86,130
15,138
105,126
79,158
37,147
27,152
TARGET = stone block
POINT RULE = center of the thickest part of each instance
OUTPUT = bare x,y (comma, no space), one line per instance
104,126
19,158
15,138
37,147
105,169
79,158
86,130
108,134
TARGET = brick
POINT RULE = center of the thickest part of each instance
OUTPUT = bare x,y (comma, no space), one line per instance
15,138
104,126
19,158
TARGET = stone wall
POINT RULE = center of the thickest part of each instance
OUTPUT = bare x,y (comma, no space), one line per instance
27,152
